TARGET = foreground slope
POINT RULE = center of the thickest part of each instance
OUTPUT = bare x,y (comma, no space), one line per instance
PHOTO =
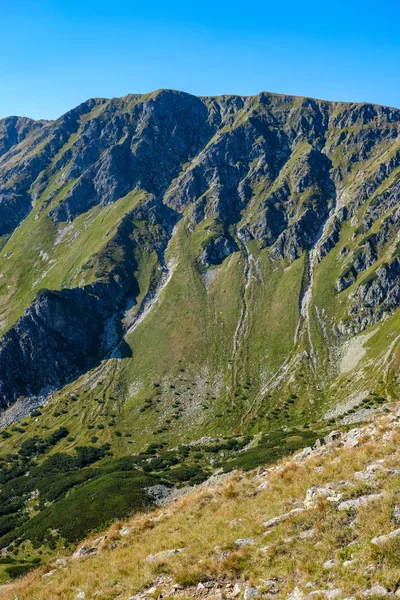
301,529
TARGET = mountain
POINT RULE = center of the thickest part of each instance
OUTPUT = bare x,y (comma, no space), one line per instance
177,268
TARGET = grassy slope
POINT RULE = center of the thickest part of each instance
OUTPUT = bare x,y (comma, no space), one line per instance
187,340
208,522
25,272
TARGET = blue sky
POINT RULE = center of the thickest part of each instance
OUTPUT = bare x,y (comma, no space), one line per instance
55,54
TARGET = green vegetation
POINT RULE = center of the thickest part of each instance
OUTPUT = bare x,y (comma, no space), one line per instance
222,352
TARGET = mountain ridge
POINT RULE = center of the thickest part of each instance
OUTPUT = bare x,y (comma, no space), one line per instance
176,268
206,96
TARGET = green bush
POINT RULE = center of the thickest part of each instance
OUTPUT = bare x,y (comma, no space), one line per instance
19,570
185,473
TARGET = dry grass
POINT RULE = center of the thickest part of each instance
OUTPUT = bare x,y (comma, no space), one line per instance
209,521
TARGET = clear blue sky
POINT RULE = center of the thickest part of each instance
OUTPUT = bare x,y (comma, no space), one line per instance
57,53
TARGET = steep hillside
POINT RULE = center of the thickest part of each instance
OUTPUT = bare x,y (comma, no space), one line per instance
299,530
238,238
176,269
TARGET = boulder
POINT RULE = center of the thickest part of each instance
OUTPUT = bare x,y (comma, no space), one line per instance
84,551
250,592
376,591
276,520
360,501
245,542
297,594
381,540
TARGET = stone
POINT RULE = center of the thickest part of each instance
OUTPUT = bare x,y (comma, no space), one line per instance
375,590
297,594
99,540
352,437
350,563
211,584
333,594
250,592
308,533
311,498
360,501
330,564
276,520
237,588
61,562
319,443
84,551
313,494
80,596
381,540
333,437
303,454
329,594
245,542
164,554
151,591
396,514
373,470
263,486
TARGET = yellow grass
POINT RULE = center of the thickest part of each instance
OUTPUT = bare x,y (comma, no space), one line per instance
208,521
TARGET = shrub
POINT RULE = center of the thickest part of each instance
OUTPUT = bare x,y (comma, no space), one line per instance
186,473
19,570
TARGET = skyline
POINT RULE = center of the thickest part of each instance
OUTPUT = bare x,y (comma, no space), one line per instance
202,95
58,54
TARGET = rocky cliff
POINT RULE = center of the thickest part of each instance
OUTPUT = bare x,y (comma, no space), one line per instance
281,207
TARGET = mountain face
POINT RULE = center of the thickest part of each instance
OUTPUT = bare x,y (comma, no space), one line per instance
223,252
187,285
